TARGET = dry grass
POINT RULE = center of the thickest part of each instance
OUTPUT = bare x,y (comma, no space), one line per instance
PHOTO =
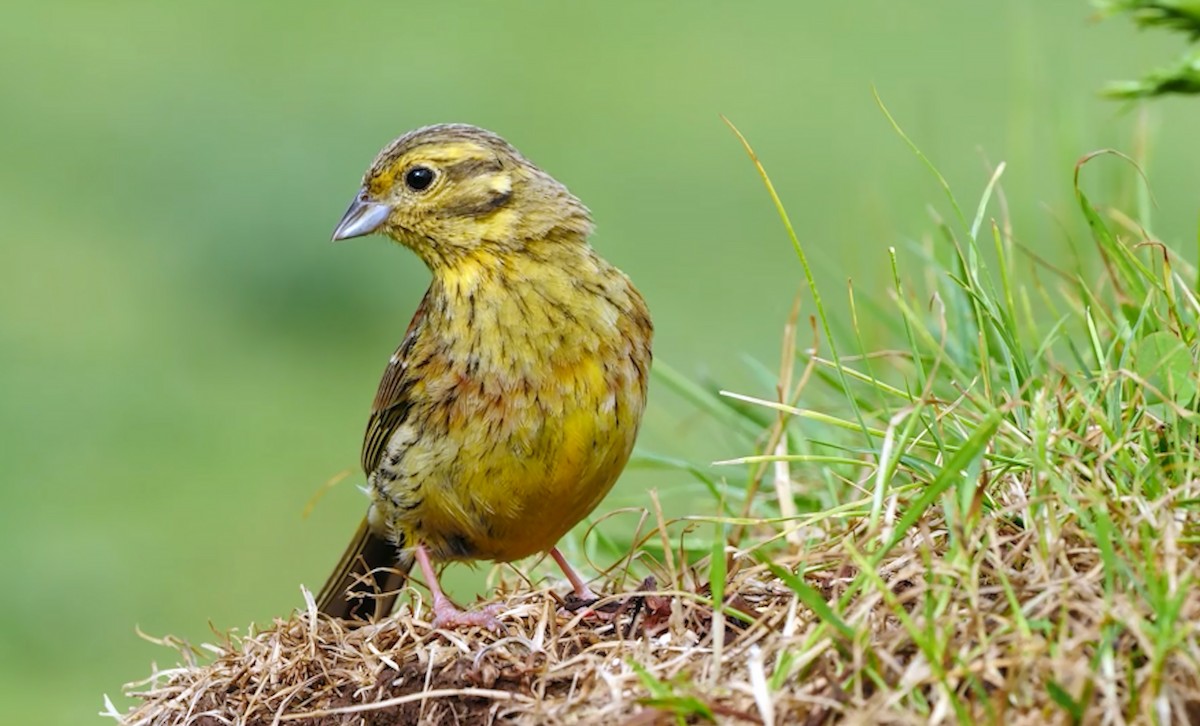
1009,616
548,665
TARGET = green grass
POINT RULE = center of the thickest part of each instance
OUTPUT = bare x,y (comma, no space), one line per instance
1040,428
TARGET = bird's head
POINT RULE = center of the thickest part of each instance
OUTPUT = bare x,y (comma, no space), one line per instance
450,190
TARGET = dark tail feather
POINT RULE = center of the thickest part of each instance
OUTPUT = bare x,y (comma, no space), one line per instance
367,580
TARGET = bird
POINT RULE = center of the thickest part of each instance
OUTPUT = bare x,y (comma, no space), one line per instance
514,399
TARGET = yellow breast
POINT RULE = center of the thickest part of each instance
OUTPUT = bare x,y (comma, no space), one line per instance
526,413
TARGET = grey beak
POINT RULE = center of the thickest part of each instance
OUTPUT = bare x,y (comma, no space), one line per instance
362,217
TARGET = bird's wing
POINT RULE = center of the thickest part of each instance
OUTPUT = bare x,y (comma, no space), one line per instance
392,400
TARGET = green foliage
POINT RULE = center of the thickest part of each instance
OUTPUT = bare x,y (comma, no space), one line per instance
1180,15
672,698
1181,77
1089,411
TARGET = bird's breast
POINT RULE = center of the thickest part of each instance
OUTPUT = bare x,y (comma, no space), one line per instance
522,425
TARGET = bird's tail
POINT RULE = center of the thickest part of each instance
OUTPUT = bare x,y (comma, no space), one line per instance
367,580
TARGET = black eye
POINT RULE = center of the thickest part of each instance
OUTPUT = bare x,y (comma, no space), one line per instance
418,178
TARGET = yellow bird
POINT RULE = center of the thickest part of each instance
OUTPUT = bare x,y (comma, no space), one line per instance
513,402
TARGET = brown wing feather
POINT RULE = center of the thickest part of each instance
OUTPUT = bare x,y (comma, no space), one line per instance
391,404
367,580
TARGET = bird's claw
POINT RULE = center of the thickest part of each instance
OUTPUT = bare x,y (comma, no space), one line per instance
447,616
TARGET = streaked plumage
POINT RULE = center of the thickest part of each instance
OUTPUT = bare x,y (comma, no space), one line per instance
512,404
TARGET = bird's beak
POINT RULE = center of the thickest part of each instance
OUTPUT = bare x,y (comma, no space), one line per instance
363,217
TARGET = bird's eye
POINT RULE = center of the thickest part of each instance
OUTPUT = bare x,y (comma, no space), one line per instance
419,178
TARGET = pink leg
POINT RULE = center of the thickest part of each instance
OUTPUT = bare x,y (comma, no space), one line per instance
445,614
582,591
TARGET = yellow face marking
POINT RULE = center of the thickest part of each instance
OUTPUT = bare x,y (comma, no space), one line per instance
500,183
381,182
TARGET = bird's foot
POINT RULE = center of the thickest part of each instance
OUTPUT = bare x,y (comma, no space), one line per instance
583,604
574,601
447,616
585,594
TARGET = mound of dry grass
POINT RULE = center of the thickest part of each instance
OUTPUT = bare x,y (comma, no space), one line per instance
549,665
997,629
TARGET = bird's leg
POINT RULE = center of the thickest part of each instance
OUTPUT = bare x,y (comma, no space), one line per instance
582,591
445,613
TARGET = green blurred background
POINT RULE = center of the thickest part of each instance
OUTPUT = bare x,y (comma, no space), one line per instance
185,358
